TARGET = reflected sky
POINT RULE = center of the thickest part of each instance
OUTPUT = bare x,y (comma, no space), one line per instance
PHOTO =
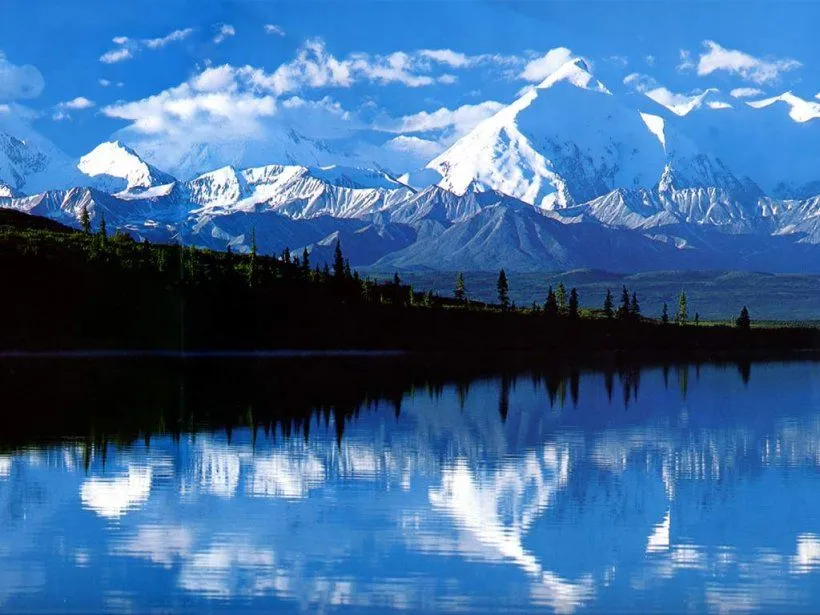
676,488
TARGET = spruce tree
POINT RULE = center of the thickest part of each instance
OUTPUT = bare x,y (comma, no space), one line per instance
561,298
461,289
503,289
665,314
338,261
634,307
103,229
623,309
573,304
253,265
682,317
743,321
608,305
85,220
305,263
551,304
347,273
697,318
396,279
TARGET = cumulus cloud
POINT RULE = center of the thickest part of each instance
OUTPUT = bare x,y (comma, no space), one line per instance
19,82
746,92
256,116
274,29
456,122
717,58
62,110
540,68
127,48
223,32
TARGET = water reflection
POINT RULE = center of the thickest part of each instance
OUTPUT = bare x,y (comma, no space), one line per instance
611,489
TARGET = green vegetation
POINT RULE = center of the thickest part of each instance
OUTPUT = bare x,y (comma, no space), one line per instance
73,290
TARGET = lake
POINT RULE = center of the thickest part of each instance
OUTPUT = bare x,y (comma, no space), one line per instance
371,484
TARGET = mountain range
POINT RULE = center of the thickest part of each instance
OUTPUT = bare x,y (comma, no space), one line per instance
569,175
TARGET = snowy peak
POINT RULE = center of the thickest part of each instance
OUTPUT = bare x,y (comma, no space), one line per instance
116,167
564,142
800,110
575,72
218,188
354,177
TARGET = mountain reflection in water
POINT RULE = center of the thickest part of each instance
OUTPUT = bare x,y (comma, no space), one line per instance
348,484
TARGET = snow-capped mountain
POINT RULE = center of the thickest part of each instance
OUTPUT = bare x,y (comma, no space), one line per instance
570,174
115,167
563,142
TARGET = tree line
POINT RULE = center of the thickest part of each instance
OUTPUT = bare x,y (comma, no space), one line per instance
559,303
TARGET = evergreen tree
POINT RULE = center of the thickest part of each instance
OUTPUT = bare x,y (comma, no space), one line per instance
461,289
743,321
347,273
396,279
634,307
253,265
286,255
551,304
623,309
665,314
682,317
503,289
85,220
428,299
697,318
573,304
338,261
103,229
561,298
305,263
608,304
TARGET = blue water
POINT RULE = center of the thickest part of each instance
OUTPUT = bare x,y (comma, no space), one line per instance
680,490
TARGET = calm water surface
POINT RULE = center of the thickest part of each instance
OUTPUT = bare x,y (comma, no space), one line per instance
681,488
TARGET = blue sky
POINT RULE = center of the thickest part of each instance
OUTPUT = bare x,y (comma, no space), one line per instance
84,71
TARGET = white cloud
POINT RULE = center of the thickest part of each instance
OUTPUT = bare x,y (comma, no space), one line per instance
104,82
446,56
540,68
225,31
19,82
746,92
175,36
650,59
81,102
686,62
456,121
62,110
621,61
116,55
274,29
424,149
129,47
717,58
